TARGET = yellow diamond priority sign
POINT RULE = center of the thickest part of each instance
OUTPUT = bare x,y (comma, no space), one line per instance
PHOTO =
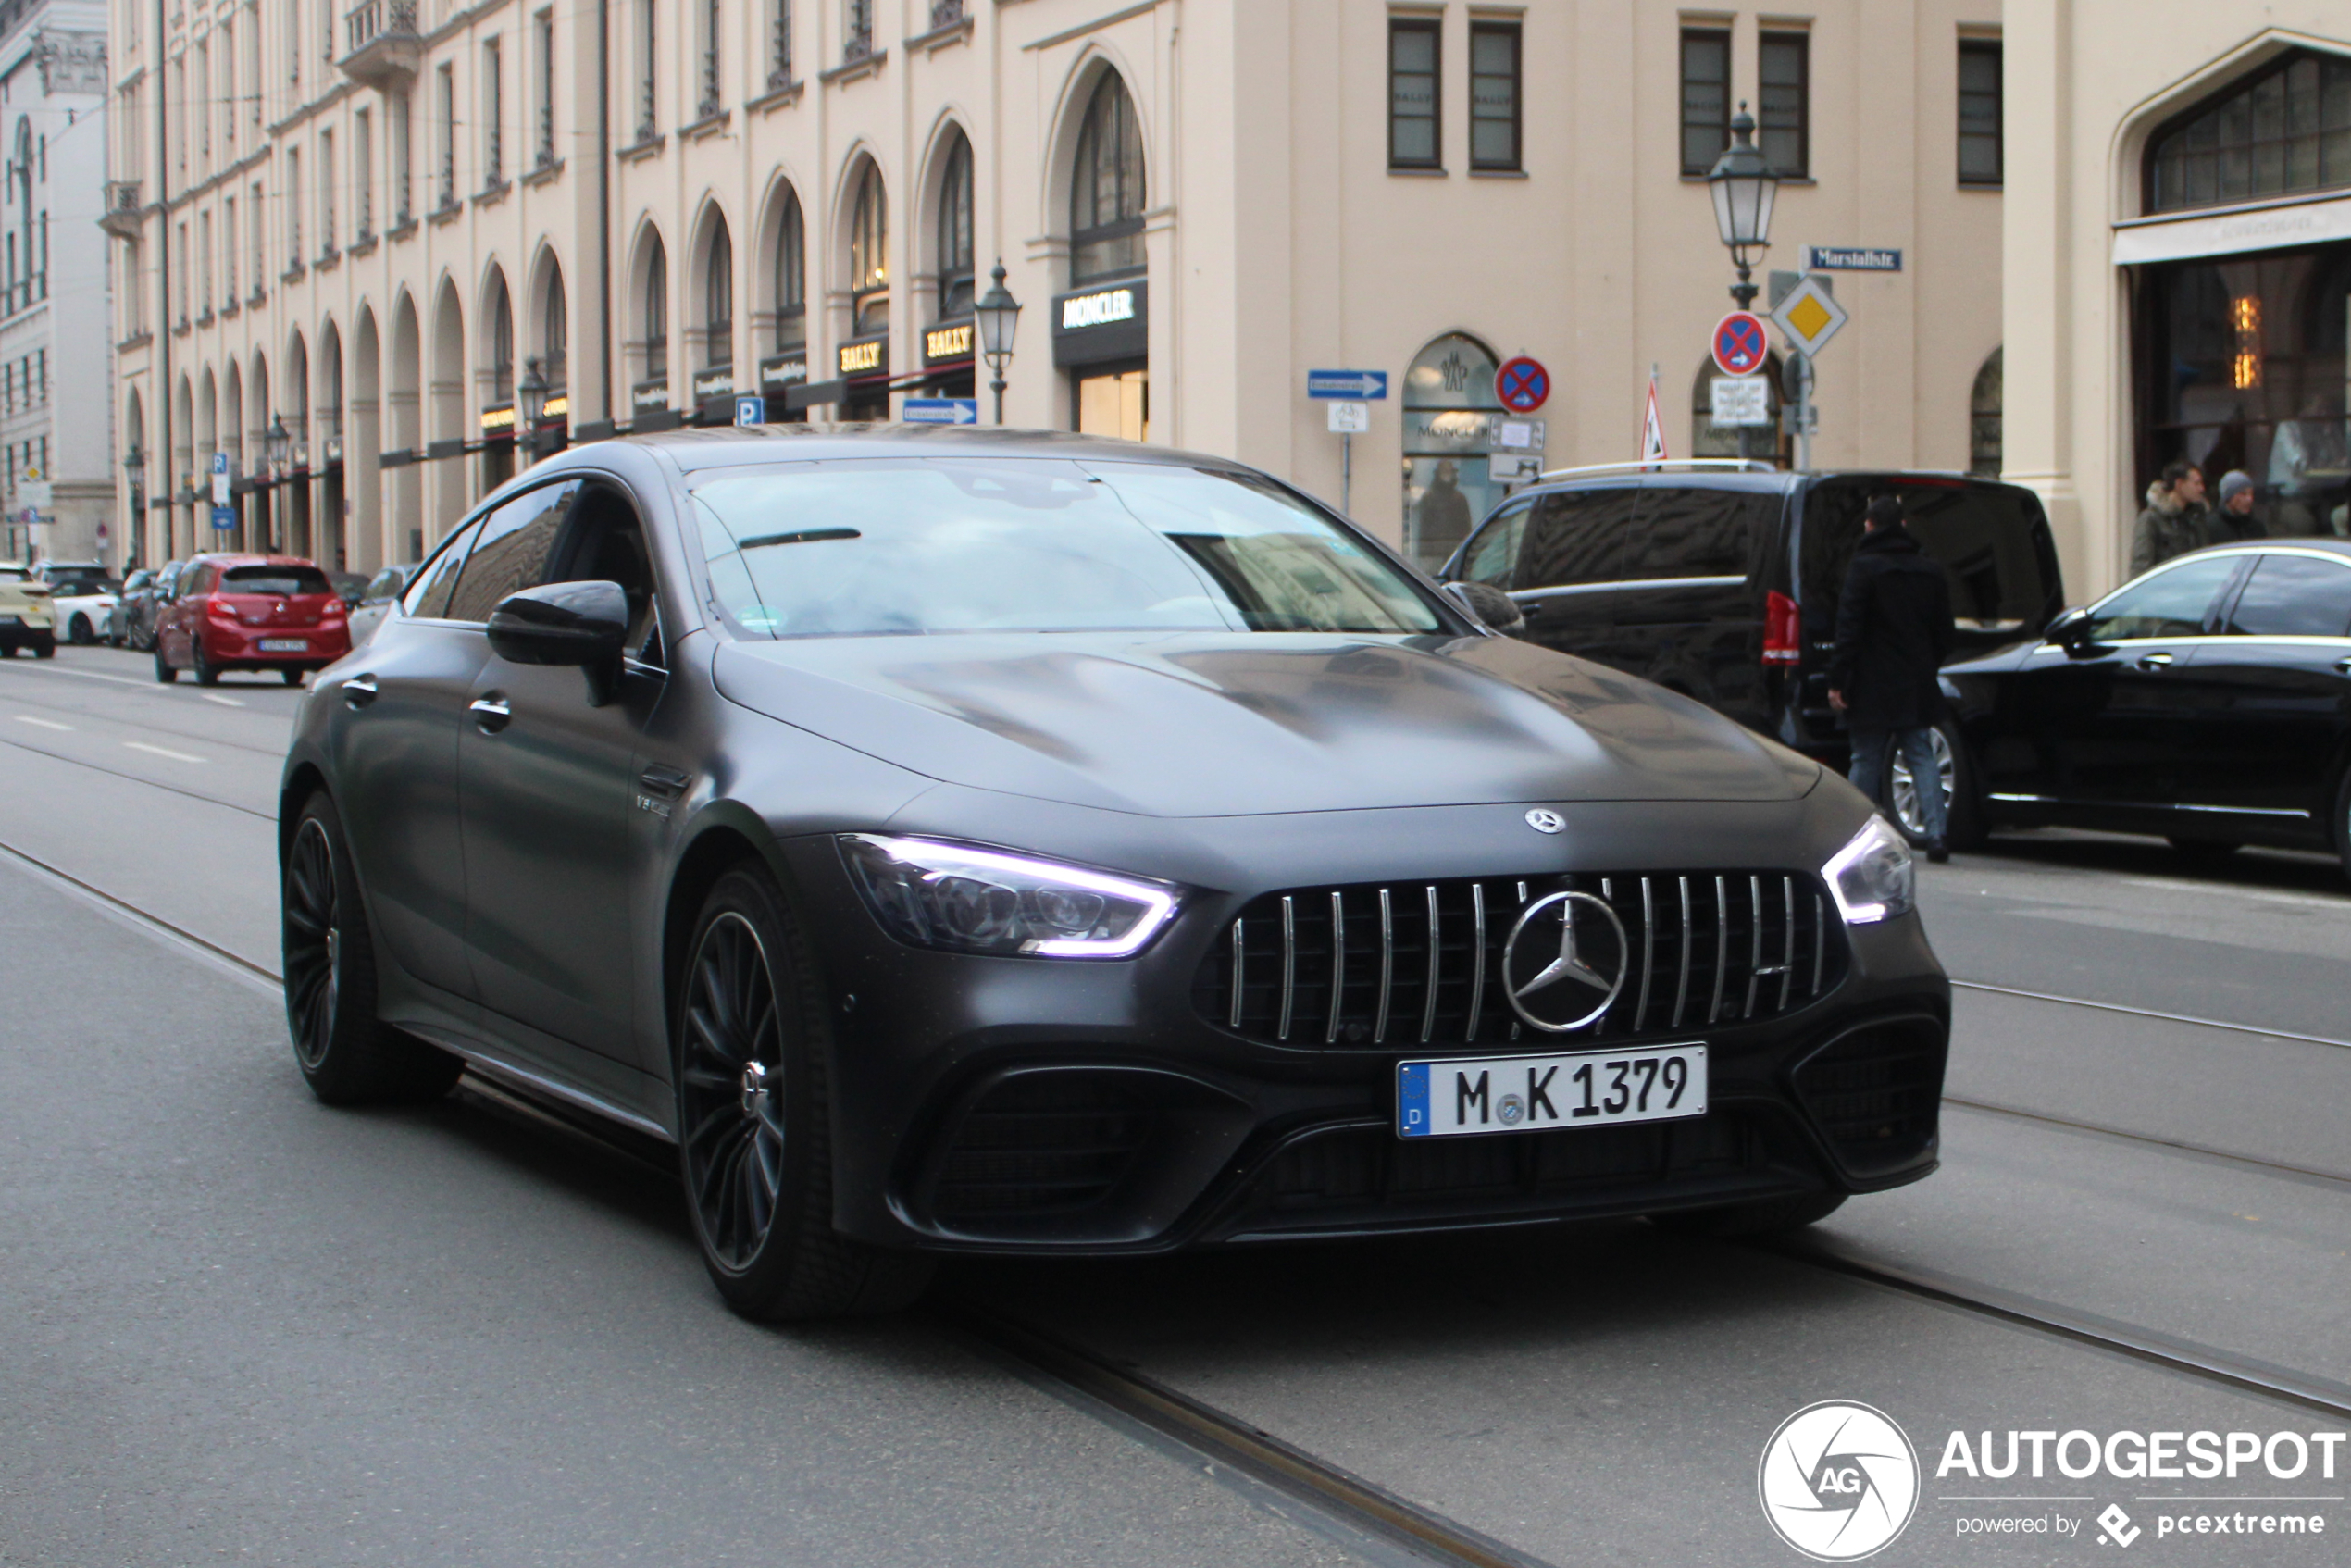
1809,315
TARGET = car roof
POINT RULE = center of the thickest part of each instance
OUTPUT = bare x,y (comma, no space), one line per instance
238,558
725,446
1757,479
2325,545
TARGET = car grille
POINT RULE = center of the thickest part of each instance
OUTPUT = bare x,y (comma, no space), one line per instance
1047,1143
1877,1092
1420,963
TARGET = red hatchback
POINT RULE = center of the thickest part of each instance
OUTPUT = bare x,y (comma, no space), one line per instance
250,611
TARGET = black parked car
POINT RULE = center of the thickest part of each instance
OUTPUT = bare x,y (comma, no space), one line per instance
2208,702
1719,579
981,841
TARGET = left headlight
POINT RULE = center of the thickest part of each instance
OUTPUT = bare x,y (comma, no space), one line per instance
1873,877
966,899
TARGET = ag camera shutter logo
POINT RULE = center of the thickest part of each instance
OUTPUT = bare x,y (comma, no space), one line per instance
1838,1481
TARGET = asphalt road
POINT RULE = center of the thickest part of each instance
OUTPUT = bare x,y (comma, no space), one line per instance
244,1327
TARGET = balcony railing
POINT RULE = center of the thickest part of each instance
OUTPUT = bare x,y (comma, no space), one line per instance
122,216
384,48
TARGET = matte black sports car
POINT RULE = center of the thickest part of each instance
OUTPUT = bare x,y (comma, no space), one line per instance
990,842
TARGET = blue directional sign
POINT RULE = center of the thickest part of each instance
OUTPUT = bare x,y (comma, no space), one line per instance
223,518
941,411
1355,386
750,409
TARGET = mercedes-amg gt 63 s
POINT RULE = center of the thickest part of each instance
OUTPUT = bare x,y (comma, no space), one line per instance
964,842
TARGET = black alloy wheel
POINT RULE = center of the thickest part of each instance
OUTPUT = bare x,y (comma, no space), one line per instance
754,1119
348,1056
79,633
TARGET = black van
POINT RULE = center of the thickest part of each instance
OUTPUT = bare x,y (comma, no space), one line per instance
1719,577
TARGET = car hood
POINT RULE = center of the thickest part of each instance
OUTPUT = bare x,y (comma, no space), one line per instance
1229,724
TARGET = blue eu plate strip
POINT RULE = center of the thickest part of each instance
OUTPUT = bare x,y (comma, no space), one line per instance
1411,1100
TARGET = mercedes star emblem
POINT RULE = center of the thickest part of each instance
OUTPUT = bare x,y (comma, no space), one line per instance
1564,985
1545,821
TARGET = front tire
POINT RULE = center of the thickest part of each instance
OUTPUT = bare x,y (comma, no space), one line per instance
755,1123
1764,1216
164,672
348,1056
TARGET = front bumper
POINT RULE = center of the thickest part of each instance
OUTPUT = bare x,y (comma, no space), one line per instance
1013,1105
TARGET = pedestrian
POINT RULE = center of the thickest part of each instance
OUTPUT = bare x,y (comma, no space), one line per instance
2235,518
1893,633
2174,521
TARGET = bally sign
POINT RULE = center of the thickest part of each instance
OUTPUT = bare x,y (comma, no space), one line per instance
863,358
1102,325
948,343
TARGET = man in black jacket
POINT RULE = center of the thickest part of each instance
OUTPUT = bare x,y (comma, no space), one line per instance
1893,633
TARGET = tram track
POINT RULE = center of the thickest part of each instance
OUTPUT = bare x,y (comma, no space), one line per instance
1349,1510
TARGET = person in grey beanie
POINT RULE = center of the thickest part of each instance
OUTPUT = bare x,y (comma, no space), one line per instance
2234,521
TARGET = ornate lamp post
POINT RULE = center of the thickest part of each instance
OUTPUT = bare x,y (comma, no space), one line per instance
1743,186
530,405
999,314
134,470
276,448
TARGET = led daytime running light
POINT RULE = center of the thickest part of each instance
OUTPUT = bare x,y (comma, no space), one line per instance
934,860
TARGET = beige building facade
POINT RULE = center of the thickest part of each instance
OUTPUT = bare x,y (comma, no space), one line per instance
360,226
2178,260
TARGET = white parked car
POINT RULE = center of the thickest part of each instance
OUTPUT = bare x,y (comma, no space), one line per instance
376,601
83,596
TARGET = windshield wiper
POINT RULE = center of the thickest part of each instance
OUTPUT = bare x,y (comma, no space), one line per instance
802,536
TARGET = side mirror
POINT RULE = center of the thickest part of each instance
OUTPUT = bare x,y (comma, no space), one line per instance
1489,605
581,624
2070,630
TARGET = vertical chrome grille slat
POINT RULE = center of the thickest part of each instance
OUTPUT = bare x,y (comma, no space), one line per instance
1289,963
1755,943
1648,955
1428,1007
1386,967
1241,964
1339,963
1477,958
1721,946
1787,959
1682,990
1820,941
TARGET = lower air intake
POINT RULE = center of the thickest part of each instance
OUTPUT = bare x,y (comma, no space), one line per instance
1877,1092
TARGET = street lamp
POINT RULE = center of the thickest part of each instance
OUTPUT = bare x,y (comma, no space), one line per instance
275,446
1743,186
999,314
530,403
134,470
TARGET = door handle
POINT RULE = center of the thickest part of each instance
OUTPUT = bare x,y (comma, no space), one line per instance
665,781
2343,666
491,712
358,692
2153,662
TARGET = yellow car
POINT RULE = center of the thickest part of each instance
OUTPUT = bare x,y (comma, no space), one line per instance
26,618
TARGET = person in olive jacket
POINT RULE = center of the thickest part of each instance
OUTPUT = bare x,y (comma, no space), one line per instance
1893,633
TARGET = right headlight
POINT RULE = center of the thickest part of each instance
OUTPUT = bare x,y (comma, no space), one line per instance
1873,876
970,898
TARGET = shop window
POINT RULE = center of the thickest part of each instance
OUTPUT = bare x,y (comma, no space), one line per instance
1413,94
1493,97
657,310
1984,420
1106,191
1981,152
955,230
869,253
1784,126
1706,97
1115,401
2284,131
792,276
718,299
1450,408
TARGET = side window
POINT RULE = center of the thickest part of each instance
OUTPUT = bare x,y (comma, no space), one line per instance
1578,536
195,581
603,541
2293,596
384,585
1493,555
2171,603
1695,532
428,597
517,542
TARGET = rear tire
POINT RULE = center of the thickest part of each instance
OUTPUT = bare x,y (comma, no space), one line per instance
293,677
348,1056
205,673
46,649
164,672
1764,1216
753,1046
78,632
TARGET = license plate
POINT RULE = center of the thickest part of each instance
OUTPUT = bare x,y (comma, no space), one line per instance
1585,1089
285,644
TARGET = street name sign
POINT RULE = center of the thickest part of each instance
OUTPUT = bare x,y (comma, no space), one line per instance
941,411
1740,400
1356,386
1852,258
1809,315
1740,345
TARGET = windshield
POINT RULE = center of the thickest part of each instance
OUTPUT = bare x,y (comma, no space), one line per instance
283,581
78,579
906,546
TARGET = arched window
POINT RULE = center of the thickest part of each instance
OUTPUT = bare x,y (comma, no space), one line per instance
1449,408
718,298
502,344
792,276
955,229
1984,420
869,253
2284,129
656,309
555,330
1106,187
